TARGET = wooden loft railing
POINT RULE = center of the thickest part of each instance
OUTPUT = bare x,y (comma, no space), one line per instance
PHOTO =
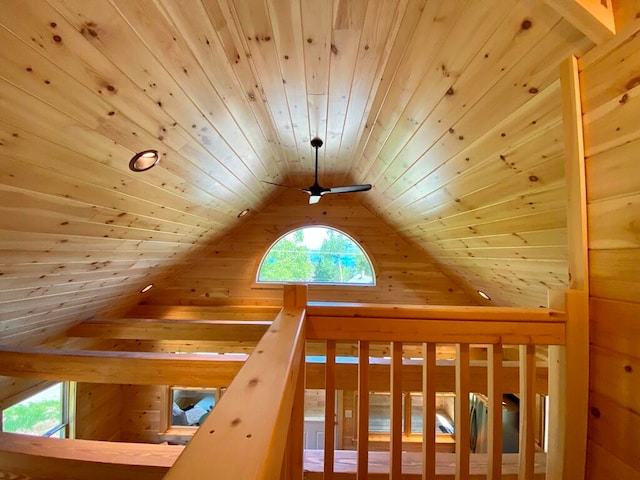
256,430
264,434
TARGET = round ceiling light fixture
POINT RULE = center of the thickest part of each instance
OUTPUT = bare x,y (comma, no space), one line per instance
484,295
147,288
243,213
144,160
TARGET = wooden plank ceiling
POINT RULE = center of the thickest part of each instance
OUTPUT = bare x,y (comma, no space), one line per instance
451,109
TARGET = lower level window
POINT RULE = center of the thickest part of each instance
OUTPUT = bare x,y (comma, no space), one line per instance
190,406
42,414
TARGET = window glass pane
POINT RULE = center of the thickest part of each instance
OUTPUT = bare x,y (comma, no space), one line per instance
316,255
380,412
37,414
190,406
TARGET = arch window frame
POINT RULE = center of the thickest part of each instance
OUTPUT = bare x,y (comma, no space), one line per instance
360,249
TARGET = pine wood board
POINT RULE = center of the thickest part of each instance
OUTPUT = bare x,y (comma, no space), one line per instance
613,274
603,464
614,325
607,173
615,428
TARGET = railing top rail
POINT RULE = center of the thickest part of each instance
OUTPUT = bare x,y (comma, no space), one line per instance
435,312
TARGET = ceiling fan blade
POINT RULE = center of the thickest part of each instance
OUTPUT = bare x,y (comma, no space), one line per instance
350,188
314,199
283,186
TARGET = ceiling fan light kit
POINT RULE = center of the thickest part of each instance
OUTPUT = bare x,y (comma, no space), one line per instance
315,191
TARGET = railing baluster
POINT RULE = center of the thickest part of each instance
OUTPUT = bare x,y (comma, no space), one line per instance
363,410
527,411
494,433
395,454
330,408
429,412
463,381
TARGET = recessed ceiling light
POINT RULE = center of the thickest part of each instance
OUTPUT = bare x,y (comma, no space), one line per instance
147,288
243,213
484,295
144,160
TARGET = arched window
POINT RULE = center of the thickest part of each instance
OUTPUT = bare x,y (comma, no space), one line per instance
317,255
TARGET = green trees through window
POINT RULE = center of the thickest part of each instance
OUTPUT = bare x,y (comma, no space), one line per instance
40,414
316,255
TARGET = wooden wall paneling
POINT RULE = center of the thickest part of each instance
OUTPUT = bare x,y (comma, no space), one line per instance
610,108
98,411
141,411
609,318
604,465
613,274
46,324
615,375
614,428
400,269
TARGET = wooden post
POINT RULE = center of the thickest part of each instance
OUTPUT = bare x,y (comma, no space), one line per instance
494,434
569,364
429,412
395,454
363,411
462,426
527,412
329,409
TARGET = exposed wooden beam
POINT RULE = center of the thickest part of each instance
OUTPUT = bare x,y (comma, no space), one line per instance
142,329
219,370
119,367
196,312
594,18
49,458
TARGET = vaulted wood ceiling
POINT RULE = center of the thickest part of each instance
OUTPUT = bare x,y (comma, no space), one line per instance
451,109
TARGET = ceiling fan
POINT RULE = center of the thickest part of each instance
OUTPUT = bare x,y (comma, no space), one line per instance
315,191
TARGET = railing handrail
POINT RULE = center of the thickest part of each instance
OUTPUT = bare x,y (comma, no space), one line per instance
245,435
